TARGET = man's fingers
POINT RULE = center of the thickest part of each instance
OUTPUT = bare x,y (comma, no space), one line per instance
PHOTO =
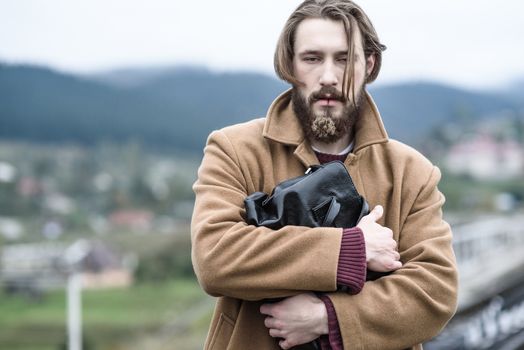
376,213
265,309
396,265
392,265
386,263
271,322
396,255
275,333
284,344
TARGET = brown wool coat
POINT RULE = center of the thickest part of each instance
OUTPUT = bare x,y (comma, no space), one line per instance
242,265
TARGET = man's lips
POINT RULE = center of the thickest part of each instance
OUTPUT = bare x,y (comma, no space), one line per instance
326,102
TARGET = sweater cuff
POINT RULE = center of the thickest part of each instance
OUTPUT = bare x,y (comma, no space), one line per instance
332,340
351,270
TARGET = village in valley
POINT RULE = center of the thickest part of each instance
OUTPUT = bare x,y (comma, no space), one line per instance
55,195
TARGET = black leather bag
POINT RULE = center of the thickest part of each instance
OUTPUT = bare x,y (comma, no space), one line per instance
324,197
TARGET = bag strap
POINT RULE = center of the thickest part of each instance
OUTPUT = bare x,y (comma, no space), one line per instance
334,209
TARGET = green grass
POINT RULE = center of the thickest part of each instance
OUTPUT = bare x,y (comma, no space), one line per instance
467,194
110,317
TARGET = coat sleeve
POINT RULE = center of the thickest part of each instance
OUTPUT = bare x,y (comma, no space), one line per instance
231,258
414,303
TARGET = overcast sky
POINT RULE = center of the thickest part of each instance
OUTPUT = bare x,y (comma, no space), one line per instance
469,43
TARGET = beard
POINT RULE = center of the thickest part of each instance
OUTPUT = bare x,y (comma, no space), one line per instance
326,126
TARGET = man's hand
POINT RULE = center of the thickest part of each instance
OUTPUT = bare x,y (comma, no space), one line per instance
297,320
381,248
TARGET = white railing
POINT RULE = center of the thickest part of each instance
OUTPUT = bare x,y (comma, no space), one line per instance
489,253
474,241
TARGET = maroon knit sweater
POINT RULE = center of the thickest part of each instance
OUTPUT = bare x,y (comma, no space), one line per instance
351,270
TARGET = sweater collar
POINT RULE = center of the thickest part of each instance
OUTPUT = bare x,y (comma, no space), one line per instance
283,126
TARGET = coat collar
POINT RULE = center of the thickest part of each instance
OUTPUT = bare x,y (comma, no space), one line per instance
283,126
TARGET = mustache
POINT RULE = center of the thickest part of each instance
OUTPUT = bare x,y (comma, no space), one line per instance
327,92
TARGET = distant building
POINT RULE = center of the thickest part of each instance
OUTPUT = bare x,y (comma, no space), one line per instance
59,203
32,266
10,228
29,187
136,220
43,266
485,158
7,172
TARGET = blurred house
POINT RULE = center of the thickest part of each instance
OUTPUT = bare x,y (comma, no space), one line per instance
136,220
29,187
7,172
102,268
10,228
35,267
32,268
59,203
485,158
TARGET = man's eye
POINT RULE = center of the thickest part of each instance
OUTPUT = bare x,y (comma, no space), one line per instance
311,59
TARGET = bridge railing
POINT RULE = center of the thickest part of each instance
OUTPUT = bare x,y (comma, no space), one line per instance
491,289
473,241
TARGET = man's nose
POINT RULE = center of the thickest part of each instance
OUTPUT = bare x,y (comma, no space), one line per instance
329,76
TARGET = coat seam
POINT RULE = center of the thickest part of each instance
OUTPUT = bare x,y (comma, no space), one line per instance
237,160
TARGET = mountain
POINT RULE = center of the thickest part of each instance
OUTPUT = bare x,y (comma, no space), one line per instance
516,92
409,110
176,108
136,76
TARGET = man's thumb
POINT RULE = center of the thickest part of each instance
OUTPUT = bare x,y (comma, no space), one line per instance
376,213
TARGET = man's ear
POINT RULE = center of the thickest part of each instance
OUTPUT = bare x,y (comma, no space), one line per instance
370,64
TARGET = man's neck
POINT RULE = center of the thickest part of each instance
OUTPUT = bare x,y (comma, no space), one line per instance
332,148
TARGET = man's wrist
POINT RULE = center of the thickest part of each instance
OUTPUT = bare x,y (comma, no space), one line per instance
322,315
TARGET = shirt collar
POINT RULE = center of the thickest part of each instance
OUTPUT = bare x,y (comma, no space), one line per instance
346,150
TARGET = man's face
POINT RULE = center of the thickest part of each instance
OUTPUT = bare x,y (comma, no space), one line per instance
320,59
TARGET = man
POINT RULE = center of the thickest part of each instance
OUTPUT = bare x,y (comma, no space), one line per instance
328,51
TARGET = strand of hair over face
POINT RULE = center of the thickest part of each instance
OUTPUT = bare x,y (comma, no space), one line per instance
334,13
